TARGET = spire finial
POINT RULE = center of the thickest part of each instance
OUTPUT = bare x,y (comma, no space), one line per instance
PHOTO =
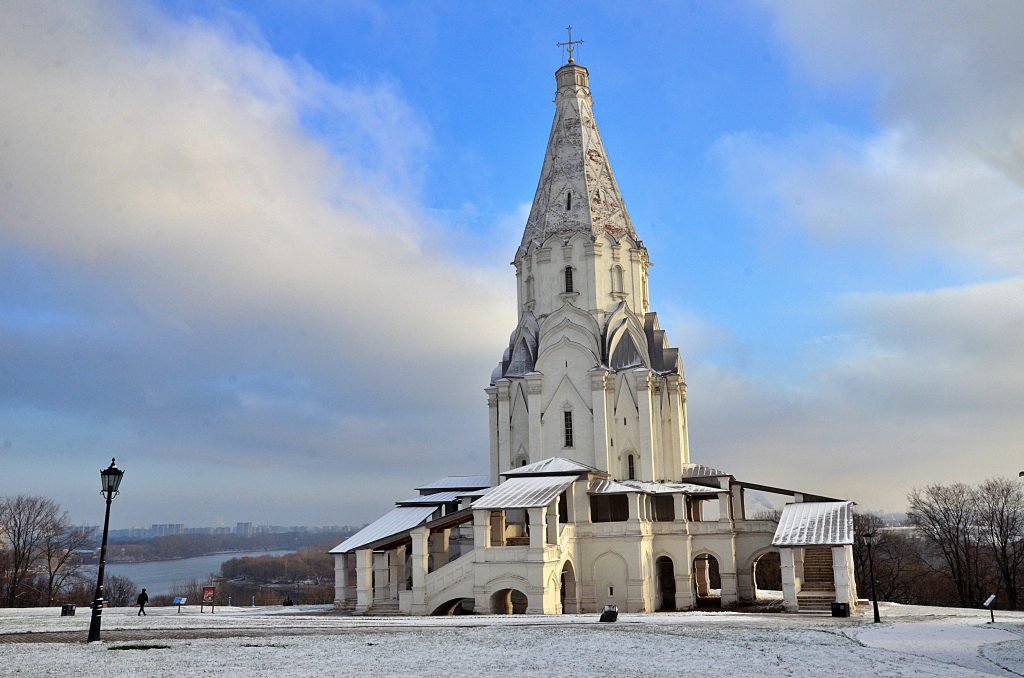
570,45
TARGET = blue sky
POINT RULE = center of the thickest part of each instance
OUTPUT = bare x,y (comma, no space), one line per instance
259,251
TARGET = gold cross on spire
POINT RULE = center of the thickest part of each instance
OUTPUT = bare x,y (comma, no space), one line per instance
570,45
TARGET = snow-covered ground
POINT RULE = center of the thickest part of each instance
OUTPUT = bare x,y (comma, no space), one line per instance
912,641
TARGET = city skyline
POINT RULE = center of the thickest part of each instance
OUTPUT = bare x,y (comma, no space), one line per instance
226,231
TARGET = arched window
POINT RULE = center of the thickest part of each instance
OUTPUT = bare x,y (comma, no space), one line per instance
567,421
631,467
568,280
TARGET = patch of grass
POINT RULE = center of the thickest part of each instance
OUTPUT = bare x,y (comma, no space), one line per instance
139,647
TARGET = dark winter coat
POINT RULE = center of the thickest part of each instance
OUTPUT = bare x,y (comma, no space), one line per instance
142,599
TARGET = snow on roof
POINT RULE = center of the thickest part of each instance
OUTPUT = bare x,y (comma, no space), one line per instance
394,522
435,499
815,523
529,492
702,471
552,466
458,483
623,486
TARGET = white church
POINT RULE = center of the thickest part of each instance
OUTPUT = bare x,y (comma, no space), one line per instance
592,498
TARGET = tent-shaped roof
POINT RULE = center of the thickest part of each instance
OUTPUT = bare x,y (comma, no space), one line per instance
815,523
394,522
529,492
550,467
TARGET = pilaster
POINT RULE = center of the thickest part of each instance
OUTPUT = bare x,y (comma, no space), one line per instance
534,387
504,387
492,427
419,563
599,384
645,438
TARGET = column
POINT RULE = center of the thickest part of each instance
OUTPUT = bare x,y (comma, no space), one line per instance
340,580
552,522
645,438
684,579
537,518
439,548
739,508
418,563
504,425
602,452
789,582
701,577
481,529
364,580
381,574
396,574
534,386
842,576
725,503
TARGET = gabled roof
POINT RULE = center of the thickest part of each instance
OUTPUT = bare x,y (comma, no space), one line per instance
552,466
396,521
530,492
458,483
815,523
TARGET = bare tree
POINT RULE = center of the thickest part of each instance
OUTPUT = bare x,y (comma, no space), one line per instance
947,517
1001,525
60,548
119,591
24,524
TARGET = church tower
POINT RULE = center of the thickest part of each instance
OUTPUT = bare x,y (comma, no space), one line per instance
588,374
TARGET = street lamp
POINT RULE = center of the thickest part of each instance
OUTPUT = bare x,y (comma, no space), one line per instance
110,479
869,541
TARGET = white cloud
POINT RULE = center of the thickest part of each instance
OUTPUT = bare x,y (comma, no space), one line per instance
234,247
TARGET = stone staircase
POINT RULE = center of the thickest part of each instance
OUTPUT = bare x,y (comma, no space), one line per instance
818,591
384,608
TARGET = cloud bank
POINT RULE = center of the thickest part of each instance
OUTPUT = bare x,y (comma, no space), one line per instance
217,266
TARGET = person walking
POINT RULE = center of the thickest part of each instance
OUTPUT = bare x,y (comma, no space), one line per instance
141,602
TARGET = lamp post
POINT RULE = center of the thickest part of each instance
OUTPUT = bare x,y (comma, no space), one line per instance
869,541
110,478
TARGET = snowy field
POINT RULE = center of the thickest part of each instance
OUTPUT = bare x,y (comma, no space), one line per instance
912,641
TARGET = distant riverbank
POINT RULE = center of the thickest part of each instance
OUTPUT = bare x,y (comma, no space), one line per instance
159,576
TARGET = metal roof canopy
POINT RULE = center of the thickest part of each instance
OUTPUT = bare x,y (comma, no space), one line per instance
782,490
433,499
396,521
530,492
458,483
815,523
644,487
551,467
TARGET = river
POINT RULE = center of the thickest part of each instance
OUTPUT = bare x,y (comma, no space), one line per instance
159,576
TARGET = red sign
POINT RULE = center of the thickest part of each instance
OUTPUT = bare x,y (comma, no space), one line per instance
208,592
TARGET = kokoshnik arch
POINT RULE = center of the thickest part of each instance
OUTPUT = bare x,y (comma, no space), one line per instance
592,498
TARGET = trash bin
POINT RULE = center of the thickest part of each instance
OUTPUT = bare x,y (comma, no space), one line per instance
840,609
67,610
610,613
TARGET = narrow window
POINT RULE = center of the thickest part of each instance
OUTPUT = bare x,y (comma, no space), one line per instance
611,590
631,467
522,462
568,201
568,279
529,288
568,428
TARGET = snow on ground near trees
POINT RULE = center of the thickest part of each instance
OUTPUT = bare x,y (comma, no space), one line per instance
912,641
